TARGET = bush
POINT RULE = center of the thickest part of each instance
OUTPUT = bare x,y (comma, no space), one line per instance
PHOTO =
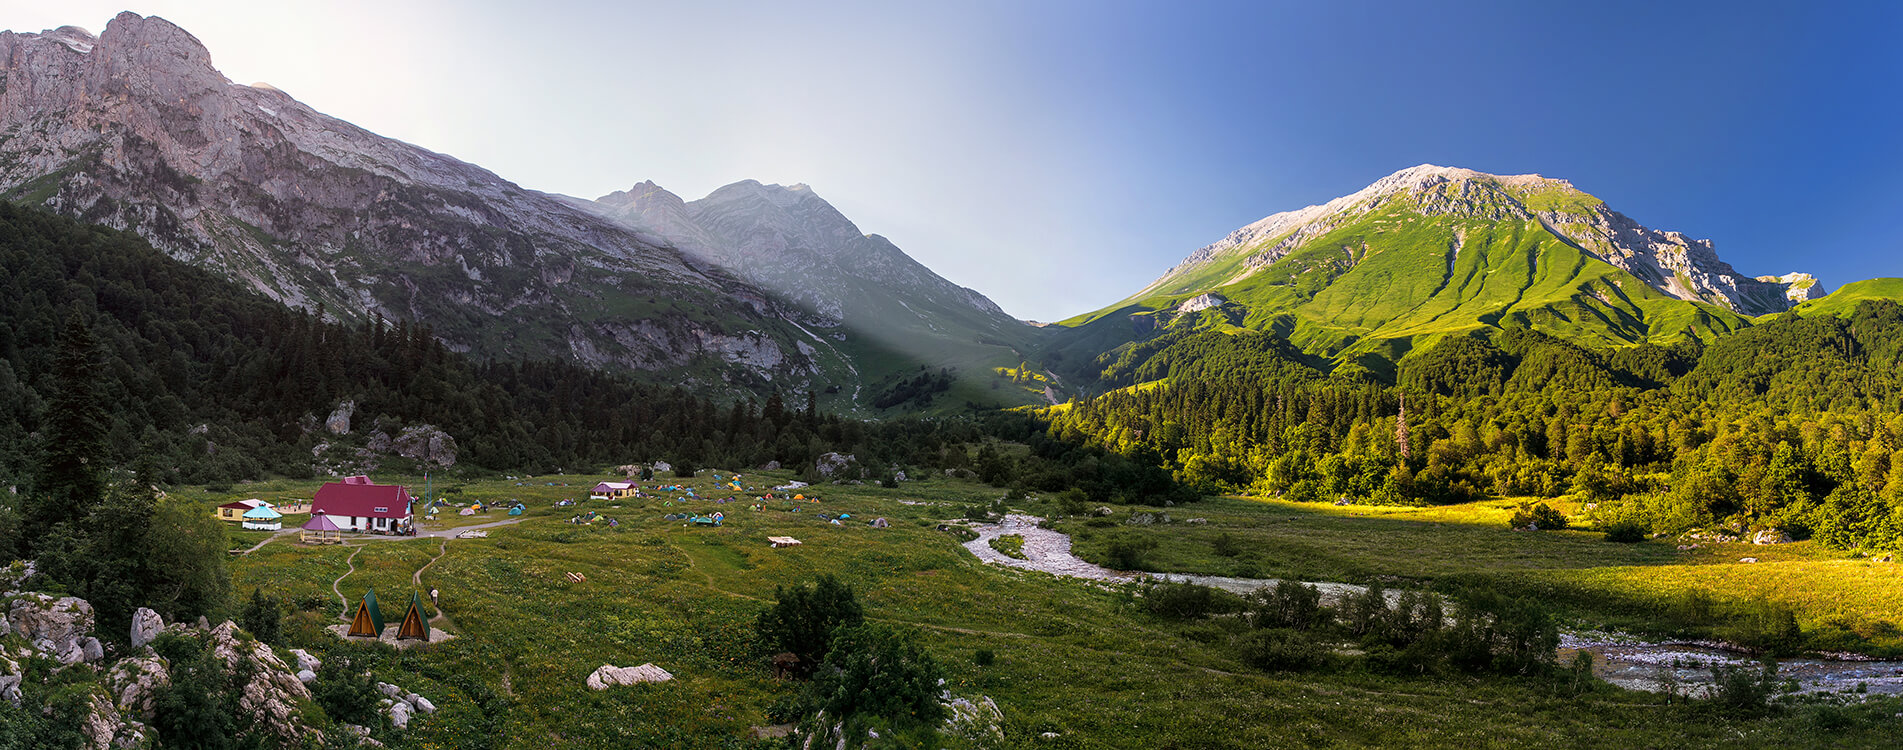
1009,545
346,693
1770,627
984,657
1626,531
1186,601
1226,545
1126,551
1739,689
1290,605
802,620
877,670
1537,516
1280,650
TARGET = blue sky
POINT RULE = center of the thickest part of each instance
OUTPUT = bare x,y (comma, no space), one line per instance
1059,155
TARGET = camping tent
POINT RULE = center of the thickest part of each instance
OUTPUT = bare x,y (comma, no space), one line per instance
263,518
369,620
321,530
415,625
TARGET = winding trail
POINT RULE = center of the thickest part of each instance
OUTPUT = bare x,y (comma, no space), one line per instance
336,586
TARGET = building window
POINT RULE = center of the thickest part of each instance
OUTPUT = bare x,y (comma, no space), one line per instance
380,510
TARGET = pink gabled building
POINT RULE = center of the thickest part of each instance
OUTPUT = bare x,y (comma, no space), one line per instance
356,504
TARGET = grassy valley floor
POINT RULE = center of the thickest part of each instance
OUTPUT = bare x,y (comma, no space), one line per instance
1078,665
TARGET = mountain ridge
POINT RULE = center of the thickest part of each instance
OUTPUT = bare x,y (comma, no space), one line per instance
136,129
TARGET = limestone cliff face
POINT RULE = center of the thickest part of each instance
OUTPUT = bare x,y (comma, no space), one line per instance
136,129
1683,267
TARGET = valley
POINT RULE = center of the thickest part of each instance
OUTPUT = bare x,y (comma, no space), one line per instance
1456,459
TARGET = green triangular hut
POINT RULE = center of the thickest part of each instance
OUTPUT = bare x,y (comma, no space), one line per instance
369,620
415,625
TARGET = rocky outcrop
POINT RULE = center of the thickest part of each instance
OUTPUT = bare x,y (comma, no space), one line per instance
56,626
1200,303
104,727
830,463
135,682
610,675
11,675
271,697
426,444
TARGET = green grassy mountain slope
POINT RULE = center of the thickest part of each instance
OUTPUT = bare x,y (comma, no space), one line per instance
1431,252
1845,300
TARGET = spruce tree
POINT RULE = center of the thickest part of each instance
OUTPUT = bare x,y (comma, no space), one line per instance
71,477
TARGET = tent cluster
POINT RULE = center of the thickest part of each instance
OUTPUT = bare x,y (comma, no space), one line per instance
368,622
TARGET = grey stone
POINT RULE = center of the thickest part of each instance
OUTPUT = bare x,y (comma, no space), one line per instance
146,625
306,676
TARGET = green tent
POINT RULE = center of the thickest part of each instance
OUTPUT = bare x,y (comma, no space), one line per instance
415,625
369,620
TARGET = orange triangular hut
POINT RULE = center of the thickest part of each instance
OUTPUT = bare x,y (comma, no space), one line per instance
369,620
415,625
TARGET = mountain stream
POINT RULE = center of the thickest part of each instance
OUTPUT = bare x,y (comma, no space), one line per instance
1625,661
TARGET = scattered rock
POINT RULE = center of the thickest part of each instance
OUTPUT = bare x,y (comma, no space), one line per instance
146,625
1141,519
1747,559
102,724
389,690
1771,536
899,476
306,662
979,723
660,466
609,675
400,714
771,466
11,675
306,676
421,703
1197,521
91,650
339,421
1884,558
1104,510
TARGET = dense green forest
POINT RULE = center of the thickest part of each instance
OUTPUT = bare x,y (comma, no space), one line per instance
201,380
1792,424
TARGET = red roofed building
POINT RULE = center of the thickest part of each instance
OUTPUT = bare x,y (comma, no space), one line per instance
357,505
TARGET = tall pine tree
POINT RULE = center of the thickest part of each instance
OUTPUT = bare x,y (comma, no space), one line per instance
71,480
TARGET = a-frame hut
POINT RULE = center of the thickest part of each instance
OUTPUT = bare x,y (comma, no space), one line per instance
369,620
415,625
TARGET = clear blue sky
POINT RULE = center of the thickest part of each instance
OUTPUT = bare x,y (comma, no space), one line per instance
1059,155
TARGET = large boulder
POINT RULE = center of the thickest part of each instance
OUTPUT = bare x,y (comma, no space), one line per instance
271,696
146,625
833,463
426,444
339,421
135,683
609,676
54,625
306,662
1771,536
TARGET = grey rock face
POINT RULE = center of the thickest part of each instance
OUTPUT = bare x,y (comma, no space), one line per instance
137,130
272,694
339,421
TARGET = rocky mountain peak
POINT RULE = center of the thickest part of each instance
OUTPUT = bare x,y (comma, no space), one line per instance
1669,261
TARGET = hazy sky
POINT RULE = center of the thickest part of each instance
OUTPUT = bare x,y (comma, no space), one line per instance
1059,155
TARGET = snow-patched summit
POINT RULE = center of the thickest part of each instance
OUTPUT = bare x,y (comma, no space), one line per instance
1683,267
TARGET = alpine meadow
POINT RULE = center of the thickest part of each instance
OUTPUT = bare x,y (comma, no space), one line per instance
315,438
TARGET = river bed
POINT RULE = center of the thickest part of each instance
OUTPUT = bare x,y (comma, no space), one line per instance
1621,660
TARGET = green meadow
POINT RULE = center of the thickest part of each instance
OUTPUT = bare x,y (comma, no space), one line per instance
1077,664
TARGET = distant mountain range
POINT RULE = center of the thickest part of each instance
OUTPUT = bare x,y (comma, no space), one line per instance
760,288
751,290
